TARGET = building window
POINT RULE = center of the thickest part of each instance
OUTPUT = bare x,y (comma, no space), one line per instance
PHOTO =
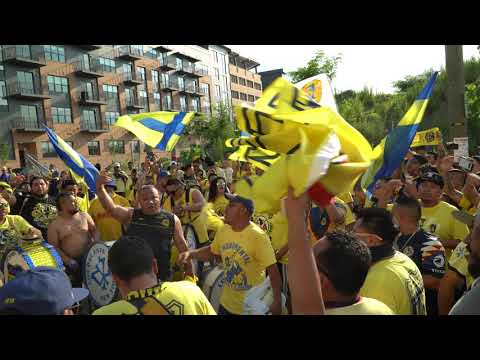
181,83
235,94
250,84
107,65
179,63
54,53
57,84
116,147
128,96
93,148
215,56
61,115
205,88
167,102
3,93
142,97
217,91
1,59
195,104
29,115
25,80
111,117
136,49
251,98
217,74
89,119
224,83
48,150
141,73
243,96
241,81
234,79
110,92
156,98
183,103
135,144
155,80
258,86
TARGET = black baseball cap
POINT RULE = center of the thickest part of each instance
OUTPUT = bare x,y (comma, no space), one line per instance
431,177
40,291
242,200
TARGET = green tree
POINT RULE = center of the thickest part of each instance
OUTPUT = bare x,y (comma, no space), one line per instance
4,153
213,130
320,64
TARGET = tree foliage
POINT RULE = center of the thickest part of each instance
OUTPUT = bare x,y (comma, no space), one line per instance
320,64
4,153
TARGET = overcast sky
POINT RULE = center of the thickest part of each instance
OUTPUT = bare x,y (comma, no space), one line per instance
374,66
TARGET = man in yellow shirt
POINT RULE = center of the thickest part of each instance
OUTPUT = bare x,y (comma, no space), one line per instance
71,187
109,228
437,217
246,253
135,271
393,278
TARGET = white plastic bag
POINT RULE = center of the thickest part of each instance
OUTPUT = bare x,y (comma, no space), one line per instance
259,299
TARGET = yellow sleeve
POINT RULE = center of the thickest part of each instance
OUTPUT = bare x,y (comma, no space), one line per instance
264,251
458,259
381,288
21,224
215,246
459,230
464,203
123,202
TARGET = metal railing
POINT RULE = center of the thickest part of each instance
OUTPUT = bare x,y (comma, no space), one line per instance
21,123
129,50
200,70
132,76
171,83
24,88
185,67
89,66
133,101
168,61
19,52
88,124
88,95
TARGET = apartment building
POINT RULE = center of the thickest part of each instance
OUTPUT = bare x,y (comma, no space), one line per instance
246,83
80,90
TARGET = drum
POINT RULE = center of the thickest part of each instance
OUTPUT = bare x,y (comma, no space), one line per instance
27,255
212,287
97,276
191,239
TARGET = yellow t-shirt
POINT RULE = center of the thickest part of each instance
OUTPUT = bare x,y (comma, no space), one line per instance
438,220
219,205
245,256
82,202
398,283
366,306
459,262
346,197
109,228
168,298
12,229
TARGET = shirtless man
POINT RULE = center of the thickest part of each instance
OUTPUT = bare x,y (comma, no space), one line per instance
71,233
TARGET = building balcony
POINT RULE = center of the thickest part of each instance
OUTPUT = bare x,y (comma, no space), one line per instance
184,69
87,98
91,69
130,78
129,53
88,125
22,57
28,125
170,85
200,70
134,104
167,63
25,91
170,105
163,49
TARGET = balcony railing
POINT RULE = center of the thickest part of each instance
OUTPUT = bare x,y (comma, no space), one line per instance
91,126
23,56
132,78
91,68
91,98
170,84
134,103
25,90
129,53
28,124
167,63
200,70
184,68
169,105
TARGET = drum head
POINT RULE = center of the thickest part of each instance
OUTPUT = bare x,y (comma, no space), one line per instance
213,286
12,264
97,276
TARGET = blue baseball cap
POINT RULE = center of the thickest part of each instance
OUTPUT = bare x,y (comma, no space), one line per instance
163,173
40,291
240,199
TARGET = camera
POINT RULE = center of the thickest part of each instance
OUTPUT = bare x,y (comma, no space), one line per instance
465,163
451,146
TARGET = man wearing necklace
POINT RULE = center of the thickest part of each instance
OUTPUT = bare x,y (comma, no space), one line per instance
426,251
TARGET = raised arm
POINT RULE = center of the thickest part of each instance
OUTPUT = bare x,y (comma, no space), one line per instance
303,277
120,213
181,245
198,201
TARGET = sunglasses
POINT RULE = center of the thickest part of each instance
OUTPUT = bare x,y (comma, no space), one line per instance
4,206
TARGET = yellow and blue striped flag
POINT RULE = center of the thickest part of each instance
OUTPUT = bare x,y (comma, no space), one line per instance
389,154
80,167
160,130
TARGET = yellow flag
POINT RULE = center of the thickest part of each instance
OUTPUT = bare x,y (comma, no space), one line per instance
428,137
259,158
